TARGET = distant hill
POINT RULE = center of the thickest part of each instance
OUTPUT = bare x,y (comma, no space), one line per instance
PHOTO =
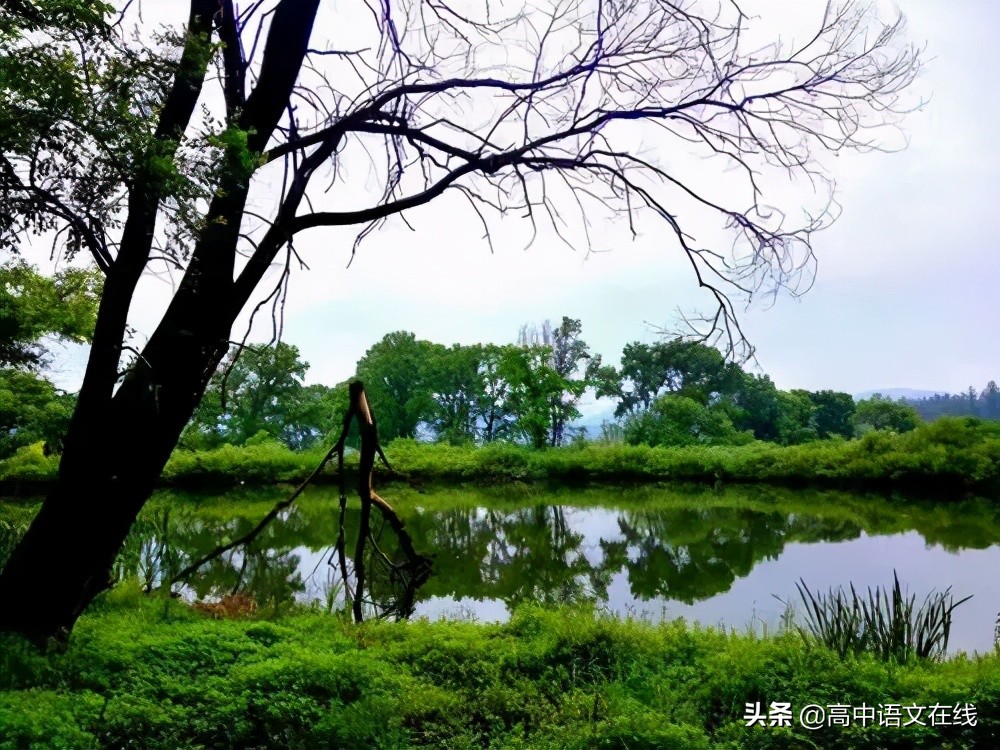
591,423
894,393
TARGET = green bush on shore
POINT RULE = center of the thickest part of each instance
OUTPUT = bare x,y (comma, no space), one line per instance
151,673
259,463
961,453
30,464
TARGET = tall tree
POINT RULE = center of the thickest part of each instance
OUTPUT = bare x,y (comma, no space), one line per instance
493,407
569,359
833,413
455,378
551,134
973,400
260,390
796,423
990,399
534,388
688,368
881,413
396,375
756,405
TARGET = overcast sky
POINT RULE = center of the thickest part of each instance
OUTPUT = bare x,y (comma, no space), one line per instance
905,294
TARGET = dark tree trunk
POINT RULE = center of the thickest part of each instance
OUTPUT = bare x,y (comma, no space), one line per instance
107,473
117,444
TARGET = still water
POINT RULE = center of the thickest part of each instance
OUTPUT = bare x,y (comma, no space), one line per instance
723,558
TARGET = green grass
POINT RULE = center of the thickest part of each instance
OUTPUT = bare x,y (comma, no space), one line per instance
949,454
151,673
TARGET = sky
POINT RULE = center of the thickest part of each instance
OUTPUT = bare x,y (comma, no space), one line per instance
904,295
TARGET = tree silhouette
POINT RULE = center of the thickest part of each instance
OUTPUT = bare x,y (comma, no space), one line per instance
562,114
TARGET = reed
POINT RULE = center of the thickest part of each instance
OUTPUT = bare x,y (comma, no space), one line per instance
885,622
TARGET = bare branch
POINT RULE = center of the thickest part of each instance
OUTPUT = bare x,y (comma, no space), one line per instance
446,117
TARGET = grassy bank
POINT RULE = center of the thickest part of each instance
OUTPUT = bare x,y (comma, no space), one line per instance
952,454
154,674
949,453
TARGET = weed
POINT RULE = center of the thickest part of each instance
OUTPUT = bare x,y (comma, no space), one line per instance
883,622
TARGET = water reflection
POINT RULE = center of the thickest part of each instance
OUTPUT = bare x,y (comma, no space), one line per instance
280,565
542,553
530,554
693,559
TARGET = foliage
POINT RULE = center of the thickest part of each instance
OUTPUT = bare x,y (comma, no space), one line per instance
33,306
153,673
884,623
880,413
833,413
260,460
686,368
396,378
956,454
758,406
455,378
679,420
260,390
566,355
479,393
30,463
494,409
699,373
951,453
535,392
76,116
788,417
31,410
795,418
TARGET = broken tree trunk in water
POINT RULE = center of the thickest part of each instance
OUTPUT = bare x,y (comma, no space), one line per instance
417,566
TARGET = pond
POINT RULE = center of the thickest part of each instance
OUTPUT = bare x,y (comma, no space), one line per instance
726,557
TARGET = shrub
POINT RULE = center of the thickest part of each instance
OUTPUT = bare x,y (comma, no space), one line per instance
152,674
30,463
678,420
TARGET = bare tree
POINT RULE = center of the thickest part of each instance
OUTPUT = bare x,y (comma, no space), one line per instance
561,113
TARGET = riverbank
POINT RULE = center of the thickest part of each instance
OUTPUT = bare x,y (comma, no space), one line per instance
153,673
958,454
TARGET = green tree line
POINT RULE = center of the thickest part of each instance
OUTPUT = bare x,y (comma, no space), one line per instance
36,310
672,392
526,392
984,404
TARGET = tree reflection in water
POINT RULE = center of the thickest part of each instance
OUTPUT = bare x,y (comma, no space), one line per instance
531,554
546,553
380,585
272,567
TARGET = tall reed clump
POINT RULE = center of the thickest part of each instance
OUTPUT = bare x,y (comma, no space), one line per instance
884,622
